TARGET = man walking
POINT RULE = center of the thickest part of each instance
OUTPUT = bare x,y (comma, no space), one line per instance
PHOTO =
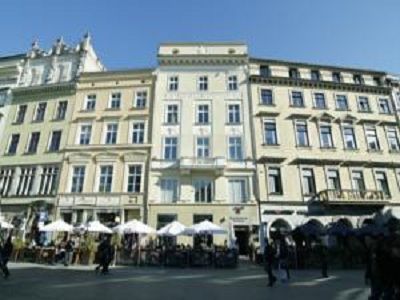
269,255
5,253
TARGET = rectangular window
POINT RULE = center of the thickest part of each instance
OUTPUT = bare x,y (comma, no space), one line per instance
393,139
270,134
141,99
78,179
357,178
333,180
85,134
297,99
173,83
33,142
265,71
234,114
336,77
61,110
106,178
308,182
377,81
274,181
20,117
235,148
372,138
384,106
325,133
349,137
203,114
294,73
48,180
13,146
170,148
172,114
111,133
319,100
302,134
134,178
169,190
358,79
55,140
40,112
115,101
341,102
382,183
90,102
203,83
363,104
315,75
203,191
237,191
25,182
266,97
232,83
138,133
6,179
202,147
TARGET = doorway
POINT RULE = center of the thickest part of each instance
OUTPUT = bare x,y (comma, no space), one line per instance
242,234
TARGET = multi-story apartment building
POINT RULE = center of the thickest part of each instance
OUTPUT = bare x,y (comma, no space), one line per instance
326,142
201,163
37,126
106,158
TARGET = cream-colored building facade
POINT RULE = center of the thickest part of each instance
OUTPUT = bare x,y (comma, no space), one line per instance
201,161
105,164
326,143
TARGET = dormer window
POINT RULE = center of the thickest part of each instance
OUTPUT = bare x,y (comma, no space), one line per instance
336,77
377,81
265,71
294,73
315,75
358,79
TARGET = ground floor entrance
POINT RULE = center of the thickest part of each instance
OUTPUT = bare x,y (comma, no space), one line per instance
242,234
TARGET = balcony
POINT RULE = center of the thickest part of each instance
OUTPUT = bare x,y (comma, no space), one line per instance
188,164
352,197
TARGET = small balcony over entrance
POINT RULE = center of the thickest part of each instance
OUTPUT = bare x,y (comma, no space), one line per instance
213,164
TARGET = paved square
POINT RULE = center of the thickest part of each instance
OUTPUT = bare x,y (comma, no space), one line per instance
247,282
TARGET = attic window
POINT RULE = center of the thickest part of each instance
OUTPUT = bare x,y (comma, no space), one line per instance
231,51
175,51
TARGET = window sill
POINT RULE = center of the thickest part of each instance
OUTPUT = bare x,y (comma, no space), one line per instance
271,145
37,121
394,151
351,149
342,109
386,113
234,124
87,111
275,194
202,124
53,151
304,147
365,111
328,148
320,108
268,105
9,154
170,124
112,109
58,120
375,151
297,106
17,123
30,153
134,108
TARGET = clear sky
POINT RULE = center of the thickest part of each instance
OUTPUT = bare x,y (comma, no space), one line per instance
359,33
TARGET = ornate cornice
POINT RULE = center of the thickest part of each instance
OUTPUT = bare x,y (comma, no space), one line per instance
166,60
61,88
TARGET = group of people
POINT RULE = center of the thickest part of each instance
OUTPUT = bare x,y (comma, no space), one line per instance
6,248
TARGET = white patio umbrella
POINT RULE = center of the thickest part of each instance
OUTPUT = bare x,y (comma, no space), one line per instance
134,226
96,226
174,229
6,225
57,226
207,227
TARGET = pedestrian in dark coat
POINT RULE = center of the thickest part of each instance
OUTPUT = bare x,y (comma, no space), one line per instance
5,254
269,257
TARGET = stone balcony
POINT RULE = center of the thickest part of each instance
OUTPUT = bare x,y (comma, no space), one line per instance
214,164
100,200
348,196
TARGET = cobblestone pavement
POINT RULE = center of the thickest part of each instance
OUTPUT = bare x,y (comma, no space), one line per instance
248,282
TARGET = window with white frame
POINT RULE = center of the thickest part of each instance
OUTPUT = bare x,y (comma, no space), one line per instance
172,114
203,192
106,179
234,114
393,139
25,181
203,147
173,83
33,142
274,181
170,148
325,135
169,190
308,180
319,100
336,77
270,133
61,110
232,83
6,179
78,179
363,104
302,133
237,190
20,116
266,97
90,102
203,114
49,180
341,102
13,144
138,132
333,178
40,112
55,140
85,134
382,183
203,83
297,99
134,178
235,148
349,136
358,182
111,133
115,101
140,99
384,106
372,138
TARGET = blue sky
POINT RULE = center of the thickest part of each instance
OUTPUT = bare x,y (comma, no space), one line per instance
359,33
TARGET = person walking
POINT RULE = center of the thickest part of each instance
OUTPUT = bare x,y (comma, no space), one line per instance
108,254
100,255
5,253
269,257
283,257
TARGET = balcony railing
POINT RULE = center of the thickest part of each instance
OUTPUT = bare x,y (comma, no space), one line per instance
214,163
351,196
